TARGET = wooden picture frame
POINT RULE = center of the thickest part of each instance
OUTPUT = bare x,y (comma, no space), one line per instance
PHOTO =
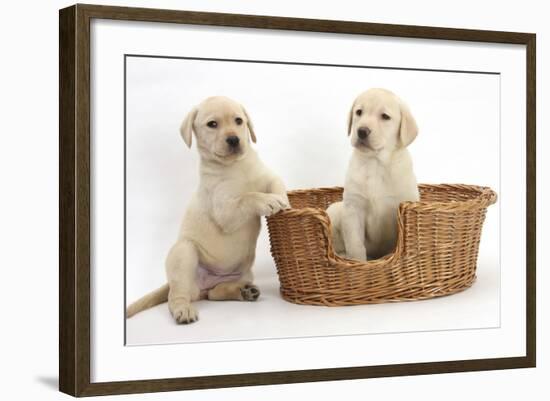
74,199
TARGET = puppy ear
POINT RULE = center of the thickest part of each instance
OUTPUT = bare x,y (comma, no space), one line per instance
249,125
350,118
186,128
408,130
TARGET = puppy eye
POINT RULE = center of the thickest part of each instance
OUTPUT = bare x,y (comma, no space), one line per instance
212,124
239,120
385,116
358,112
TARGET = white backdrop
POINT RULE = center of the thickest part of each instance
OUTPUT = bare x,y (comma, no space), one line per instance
29,172
300,115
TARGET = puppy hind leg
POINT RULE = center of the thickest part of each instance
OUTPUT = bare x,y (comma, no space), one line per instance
181,268
240,290
353,232
338,243
334,213
235,291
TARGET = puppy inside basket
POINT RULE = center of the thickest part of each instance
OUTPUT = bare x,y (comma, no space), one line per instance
379,176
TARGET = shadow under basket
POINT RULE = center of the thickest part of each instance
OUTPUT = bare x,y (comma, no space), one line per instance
435,255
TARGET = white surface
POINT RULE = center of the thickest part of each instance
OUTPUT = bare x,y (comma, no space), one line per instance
300,115
111,360
29,173
272,317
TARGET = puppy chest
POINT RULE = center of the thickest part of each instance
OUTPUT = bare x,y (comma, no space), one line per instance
370,180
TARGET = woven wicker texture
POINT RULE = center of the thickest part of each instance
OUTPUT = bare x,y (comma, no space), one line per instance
435,255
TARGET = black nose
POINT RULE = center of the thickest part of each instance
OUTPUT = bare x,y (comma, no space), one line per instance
232,141
363,132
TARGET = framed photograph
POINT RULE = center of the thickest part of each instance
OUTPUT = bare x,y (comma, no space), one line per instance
250,200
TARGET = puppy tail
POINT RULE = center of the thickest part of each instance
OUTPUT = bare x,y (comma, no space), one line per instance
154,298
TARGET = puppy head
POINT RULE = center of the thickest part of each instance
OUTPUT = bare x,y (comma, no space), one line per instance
221,128
379,120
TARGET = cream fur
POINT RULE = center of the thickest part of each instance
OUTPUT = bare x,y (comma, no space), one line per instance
221,225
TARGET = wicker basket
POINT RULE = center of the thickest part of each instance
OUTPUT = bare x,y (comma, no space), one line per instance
435,254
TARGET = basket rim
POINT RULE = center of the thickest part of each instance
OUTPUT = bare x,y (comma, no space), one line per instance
486,196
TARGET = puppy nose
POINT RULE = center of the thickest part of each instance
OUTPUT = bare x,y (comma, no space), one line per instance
363,132
232,141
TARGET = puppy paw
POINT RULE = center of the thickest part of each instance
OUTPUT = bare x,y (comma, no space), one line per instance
270,204
357,253
183,312
286,202
250,292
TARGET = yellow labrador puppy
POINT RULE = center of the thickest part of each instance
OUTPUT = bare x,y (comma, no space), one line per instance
215,251
379,176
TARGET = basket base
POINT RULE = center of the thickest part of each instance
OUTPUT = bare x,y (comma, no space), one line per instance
327,299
